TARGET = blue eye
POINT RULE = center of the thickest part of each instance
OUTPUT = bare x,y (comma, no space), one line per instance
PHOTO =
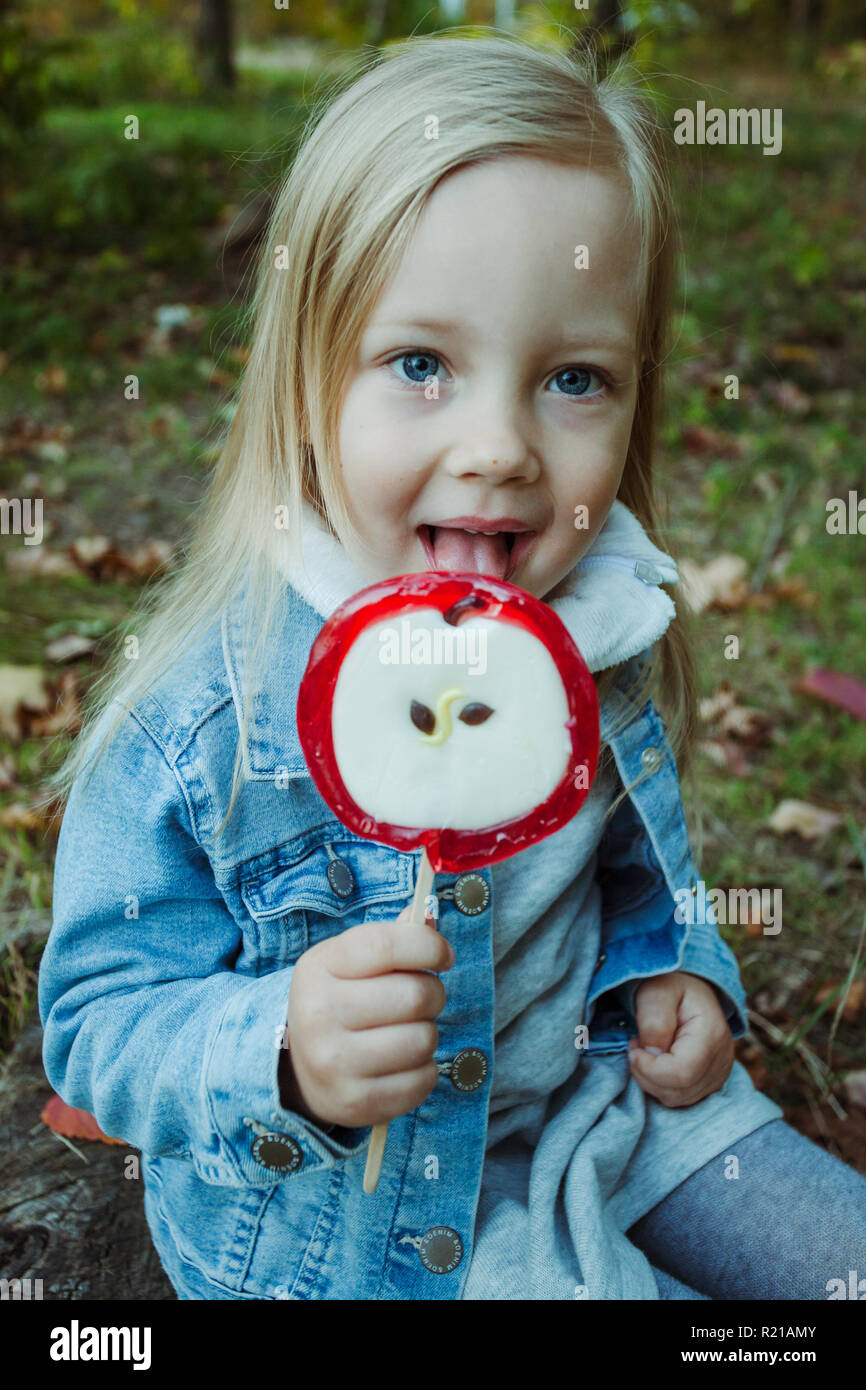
419,366
578,379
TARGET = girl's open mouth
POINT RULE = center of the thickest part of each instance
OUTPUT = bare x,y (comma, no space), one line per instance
494,553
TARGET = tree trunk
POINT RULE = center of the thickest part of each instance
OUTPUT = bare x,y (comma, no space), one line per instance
213,42
606,34
76,1224
377,19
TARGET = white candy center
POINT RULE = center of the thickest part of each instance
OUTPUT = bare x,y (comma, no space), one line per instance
467,776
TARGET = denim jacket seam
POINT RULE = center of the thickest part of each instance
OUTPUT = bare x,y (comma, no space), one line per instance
193,732
186,760
226,1147
151,733
234,687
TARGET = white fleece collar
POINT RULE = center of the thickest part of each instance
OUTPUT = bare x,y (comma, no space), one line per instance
610,602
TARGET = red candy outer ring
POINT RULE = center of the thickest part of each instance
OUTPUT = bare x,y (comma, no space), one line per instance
451,850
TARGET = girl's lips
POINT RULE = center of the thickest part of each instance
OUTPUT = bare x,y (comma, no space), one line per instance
521,543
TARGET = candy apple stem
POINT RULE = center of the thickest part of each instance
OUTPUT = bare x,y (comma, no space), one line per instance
380,1132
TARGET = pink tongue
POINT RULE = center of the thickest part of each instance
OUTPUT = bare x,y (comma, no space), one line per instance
458,550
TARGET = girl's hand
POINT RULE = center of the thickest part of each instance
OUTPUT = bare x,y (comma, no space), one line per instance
361,1022
680,1014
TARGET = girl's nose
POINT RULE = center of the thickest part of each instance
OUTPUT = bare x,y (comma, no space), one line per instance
493,444
502,464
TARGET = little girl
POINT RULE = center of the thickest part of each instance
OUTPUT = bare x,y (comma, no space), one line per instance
461,318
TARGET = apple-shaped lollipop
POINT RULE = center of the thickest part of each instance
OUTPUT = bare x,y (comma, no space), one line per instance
452,711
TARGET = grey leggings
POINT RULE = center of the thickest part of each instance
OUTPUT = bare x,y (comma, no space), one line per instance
793,1220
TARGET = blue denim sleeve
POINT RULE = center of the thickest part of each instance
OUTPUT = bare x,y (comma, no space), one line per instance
709,956
146,1023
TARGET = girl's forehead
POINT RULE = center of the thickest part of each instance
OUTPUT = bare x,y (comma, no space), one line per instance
524,210
509,178
521,238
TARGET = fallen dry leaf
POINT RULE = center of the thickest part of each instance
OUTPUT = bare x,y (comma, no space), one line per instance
103,558
853,999
789,397
727,755
89,551
19,685
793,590
812,822
39,562
74,1124
697,439
70,647
35,819
63,712
746,724
31,706
718,584
845,691
53,380
793,352
148,558
855,1088
25,434
713,706
734,723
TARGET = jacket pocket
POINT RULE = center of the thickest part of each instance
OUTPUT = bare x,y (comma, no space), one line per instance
318,885
262,1243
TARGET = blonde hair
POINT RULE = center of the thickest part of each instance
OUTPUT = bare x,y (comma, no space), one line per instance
343,218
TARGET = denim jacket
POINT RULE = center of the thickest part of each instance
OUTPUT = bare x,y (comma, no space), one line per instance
164,985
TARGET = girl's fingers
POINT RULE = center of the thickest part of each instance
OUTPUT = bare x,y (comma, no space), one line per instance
377,948
688,1063
398,998
393,1049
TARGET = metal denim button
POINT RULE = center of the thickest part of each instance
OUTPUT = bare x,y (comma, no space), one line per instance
471,894
651,759
469,1069
277,1152
440,1250
341,878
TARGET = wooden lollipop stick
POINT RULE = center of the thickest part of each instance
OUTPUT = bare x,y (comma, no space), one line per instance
380,1132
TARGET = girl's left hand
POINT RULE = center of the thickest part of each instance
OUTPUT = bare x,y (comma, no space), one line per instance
680,1013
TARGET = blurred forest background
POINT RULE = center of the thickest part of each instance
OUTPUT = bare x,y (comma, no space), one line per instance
131,257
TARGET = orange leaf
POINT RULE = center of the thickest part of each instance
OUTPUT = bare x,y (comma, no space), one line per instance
74,1124
853,997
